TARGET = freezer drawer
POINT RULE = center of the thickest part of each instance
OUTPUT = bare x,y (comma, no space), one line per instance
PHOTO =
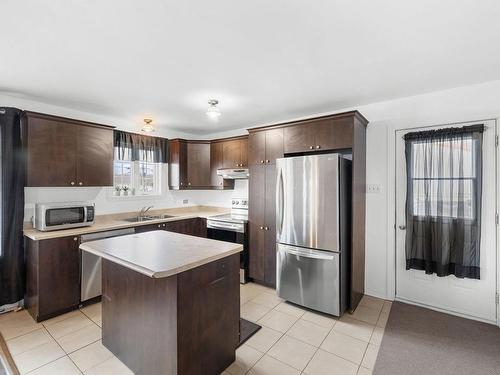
309,278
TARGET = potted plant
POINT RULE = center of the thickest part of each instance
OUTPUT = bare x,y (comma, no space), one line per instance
125,190
117,190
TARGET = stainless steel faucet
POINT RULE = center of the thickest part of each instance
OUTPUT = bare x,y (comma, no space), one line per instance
144,210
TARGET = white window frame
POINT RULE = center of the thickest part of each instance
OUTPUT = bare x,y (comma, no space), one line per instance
136,178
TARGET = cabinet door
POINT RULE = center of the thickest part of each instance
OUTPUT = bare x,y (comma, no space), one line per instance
216,163
256,148
51,153
198,164
270,226
231,154
256,215
274,145
177,166
298,138
244,152
331,134
192,227
94,163
58,275
147,228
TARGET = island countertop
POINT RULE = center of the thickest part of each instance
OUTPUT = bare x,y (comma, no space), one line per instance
161,253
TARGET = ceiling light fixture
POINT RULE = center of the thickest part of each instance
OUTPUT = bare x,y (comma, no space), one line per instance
213,112
147,127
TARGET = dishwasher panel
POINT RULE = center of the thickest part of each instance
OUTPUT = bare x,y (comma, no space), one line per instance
91,283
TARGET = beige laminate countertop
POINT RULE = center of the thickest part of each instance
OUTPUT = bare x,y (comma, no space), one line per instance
160,253
117,221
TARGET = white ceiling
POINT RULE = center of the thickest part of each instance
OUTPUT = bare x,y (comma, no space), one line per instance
265,60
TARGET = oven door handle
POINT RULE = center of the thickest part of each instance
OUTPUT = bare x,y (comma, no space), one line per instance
230,227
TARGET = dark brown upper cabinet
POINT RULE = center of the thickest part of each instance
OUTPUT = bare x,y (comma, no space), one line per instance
66,152
319,135
189,164
216,162
234,153
265,146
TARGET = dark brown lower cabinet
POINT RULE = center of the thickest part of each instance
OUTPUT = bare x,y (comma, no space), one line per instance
52,276
262,224
184,324
192,227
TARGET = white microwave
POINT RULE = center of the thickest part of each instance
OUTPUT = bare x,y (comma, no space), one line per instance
55,216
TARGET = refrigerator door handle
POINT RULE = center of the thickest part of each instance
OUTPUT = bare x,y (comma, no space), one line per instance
308,254
280,201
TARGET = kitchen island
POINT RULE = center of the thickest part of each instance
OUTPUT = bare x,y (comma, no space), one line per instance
170,302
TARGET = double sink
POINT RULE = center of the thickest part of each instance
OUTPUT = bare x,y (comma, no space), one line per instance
138,219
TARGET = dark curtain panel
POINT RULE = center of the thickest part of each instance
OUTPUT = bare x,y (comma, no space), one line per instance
443,201
12,273
132,146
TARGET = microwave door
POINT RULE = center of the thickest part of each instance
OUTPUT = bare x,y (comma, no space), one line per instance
307,189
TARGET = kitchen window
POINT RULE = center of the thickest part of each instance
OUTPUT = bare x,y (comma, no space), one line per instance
136,178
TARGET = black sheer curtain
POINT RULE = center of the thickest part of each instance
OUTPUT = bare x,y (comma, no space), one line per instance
443,202
132,146
12,272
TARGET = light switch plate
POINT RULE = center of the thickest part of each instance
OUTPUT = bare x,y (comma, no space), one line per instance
185,201
373,188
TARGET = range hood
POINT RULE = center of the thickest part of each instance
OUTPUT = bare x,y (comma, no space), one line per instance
233,173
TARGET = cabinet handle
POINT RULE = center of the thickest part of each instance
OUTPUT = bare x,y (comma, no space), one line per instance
311,147
220,183
261,227
80,183
267,160
262,162
266,228
72,182
182,183
75,239
189,183
318,147
159,225
164,225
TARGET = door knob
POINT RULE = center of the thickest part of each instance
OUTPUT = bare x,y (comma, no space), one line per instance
402,227
262,162
266,228
72,182
311,147
189,183
80,183
261,227
75,238
267,161
318,147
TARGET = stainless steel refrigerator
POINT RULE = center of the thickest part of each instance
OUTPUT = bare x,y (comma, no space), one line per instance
313,233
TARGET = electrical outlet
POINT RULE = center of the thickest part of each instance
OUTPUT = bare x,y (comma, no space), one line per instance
373,188
185,201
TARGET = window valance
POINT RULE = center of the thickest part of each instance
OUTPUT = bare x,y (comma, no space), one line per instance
133,146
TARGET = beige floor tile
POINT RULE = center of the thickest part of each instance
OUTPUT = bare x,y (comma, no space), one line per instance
355,328
93,312
66,326
377,335
39,356
62,317
267,299
253,311
308,332
366,314
293,352
370,356
16,324
345,346
364,371
246,357
387,306
269,366
319,319
112,366
372,302
382,320
288,308
62,366
264,339
324,363
90,356
78,339
278,321
29,341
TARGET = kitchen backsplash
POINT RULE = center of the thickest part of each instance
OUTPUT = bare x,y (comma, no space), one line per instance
106,203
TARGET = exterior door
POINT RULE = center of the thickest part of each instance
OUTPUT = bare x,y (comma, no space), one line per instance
466,297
